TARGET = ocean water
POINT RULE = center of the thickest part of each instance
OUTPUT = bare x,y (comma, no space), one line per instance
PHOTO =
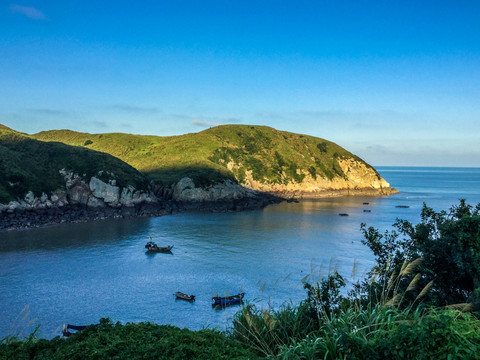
79,273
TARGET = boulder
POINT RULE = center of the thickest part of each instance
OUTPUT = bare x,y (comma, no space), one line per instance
30,198
185,190
78,193
95,202
109,193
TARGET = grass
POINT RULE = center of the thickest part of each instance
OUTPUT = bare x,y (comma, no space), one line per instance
380,333
229,151
351,329
381,325
130,341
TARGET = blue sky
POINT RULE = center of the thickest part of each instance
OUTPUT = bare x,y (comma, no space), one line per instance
395,82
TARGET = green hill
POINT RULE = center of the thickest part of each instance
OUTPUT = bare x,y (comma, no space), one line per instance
248,154
257,157
29,164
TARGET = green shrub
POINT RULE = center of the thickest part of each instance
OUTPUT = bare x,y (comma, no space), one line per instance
279,159
130,341
322,147
448,245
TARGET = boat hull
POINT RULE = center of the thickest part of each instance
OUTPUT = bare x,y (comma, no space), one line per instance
228,300
182,296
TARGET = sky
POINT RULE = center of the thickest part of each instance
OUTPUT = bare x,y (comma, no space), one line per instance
395,82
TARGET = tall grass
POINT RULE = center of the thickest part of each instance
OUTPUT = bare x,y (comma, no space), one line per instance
381,333
22,327
384,324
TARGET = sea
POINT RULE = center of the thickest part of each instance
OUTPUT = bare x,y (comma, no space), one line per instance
80,273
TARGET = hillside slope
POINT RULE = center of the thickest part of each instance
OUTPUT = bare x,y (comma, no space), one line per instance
27,165
258,157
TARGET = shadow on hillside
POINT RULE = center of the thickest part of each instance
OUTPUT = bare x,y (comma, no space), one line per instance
202,176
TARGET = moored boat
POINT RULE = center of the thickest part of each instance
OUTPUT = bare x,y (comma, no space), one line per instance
183,296
154,248
67,333
228,300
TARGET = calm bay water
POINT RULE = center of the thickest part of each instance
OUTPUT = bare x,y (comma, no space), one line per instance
78,273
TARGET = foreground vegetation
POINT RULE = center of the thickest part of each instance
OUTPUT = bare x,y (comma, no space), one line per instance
420,301
130,341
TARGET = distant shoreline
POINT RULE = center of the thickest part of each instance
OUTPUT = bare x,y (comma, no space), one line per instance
25,219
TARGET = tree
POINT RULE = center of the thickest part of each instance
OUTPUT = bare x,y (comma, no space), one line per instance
446,247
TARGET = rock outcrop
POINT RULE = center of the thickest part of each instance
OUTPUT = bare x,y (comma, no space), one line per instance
83,200
359,179
185,190
96,195
225,196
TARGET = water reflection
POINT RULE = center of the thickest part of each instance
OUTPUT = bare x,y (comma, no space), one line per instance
80,235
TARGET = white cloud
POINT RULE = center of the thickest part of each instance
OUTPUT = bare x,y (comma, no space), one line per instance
28,11
216,121
199,122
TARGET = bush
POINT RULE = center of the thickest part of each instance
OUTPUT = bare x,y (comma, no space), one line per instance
322,147
448,245
130,341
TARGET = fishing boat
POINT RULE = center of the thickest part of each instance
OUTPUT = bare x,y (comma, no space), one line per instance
228,300
183,296
154,248
67,333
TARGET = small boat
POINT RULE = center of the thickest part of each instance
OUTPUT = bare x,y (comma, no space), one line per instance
402,206
228,300
343,214
366,210
67,333
366,203
183,296
154,248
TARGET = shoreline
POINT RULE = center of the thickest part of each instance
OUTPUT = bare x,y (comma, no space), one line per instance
25,219
303,195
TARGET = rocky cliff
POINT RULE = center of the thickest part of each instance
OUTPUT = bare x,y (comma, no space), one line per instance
359,179
78,200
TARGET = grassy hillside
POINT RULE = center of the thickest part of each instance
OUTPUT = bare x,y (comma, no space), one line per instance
222,152
28,164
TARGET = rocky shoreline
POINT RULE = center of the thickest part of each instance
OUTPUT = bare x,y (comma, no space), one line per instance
298,195
92,199
23,219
